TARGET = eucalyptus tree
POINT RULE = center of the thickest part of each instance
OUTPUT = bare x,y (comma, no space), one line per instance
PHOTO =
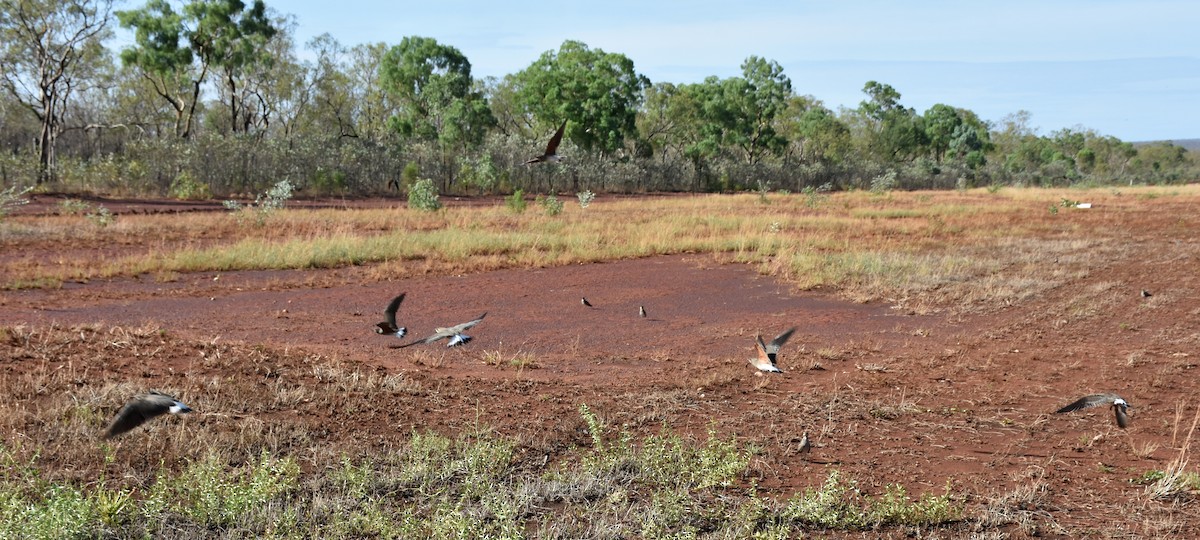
597,92
752,102
893,132
177,50
49,51
440,101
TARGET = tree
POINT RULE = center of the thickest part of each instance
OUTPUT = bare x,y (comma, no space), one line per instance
49,49
598,92
221,35
440,101
164,60
753,102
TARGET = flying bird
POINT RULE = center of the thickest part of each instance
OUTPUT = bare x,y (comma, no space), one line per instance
767,352
1146,294
455,333
388,327
585,302
1119,406
143,408
642,312
551,147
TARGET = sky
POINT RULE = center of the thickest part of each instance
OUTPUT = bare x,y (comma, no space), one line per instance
1126,68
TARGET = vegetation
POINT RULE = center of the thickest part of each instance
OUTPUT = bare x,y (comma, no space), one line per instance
212,99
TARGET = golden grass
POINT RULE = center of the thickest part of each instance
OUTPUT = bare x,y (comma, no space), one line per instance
974,248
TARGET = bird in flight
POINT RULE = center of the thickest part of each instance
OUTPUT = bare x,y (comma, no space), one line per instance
388,327
551,147
585,302
455,333
143,408
768,351
1119,406
1146,294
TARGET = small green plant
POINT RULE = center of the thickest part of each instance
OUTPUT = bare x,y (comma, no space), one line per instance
423,195
816,196
102,217
884,183
264,204
12,198
186,187
1054,209
764,187
585,198
516,202
550,204
73,207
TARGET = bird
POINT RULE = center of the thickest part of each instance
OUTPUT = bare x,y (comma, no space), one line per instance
551,147
805,444
455,333
767,352
642,311
141,409
585,302
388,327
1120,407
1146,294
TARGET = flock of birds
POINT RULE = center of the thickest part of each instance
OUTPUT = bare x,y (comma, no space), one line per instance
145,407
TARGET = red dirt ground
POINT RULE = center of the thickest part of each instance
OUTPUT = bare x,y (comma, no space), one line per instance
888,397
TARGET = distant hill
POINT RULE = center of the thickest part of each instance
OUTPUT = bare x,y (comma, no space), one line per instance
1190,144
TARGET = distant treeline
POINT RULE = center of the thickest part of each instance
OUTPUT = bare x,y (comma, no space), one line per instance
212,99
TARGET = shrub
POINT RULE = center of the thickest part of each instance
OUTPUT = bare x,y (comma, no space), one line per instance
12,198
550,204
422,195
264,204
585,198
516,201
186,187
102,217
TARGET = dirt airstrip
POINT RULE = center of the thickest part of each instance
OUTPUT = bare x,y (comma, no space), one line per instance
926,401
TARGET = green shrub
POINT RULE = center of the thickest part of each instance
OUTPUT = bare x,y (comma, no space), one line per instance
585,198
102,217
516,201
186,187
422,195
550,204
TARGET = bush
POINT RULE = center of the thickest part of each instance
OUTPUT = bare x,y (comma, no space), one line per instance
516,201
186,187
12,198
550,204
422,195
585,198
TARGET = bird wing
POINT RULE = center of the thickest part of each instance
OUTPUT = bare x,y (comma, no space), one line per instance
780,340
390,312
552,146
137,411
1087,402
464,326
761,347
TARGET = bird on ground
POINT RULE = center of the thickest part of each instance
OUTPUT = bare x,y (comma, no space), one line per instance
388,327
455,333
642,312
551,147
1146,294
767,352
1119,406
585,302
805,444
143,408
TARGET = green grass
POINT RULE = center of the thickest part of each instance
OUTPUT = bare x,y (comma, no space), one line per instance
472,486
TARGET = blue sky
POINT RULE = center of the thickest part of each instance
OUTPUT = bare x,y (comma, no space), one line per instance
1125,68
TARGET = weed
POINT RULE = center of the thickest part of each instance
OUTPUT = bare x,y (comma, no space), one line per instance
12,198
585,198
516,202
550,204
73,207
102,217
265,204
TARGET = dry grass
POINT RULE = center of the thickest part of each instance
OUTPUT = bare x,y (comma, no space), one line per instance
924,252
